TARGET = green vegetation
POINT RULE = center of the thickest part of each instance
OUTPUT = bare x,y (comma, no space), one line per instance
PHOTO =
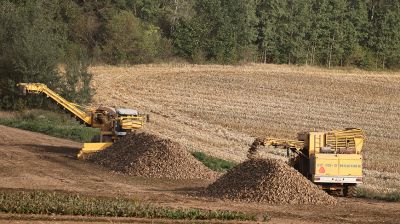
35,47
51,123
54,42
365,193
214,163
41,202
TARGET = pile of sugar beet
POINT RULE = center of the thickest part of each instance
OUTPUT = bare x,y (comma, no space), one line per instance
255,180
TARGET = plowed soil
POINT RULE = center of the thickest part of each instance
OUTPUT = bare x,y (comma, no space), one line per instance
34,161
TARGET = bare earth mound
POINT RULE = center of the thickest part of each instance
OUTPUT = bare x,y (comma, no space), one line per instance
147,155
270,181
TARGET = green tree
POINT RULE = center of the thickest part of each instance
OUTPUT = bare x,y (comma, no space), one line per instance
33,44
123,35
323,32
223,31
282,31
356,49
130,41
384,35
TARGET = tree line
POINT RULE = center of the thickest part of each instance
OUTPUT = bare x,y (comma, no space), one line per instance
55,41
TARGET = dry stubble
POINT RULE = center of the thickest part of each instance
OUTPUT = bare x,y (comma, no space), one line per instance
220,109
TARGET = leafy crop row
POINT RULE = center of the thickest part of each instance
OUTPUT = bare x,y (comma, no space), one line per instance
42,202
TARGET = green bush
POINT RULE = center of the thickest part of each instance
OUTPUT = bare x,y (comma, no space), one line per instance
51,123
33,45
130,41
214,163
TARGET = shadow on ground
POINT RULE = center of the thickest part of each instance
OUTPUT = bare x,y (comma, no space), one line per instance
68,151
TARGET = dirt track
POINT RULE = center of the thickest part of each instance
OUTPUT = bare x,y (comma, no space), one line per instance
34,161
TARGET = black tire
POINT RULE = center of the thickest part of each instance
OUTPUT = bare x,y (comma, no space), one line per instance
106,138
335,193
350,191
96,138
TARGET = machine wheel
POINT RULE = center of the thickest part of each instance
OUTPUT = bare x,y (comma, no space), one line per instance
350,191
96,138
335,193
106,138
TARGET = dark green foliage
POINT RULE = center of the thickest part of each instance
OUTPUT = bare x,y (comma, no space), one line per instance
283,31
42,202
39,37
384,34
29,49
214,163
329,32
34,44
51,123
130,41
221,31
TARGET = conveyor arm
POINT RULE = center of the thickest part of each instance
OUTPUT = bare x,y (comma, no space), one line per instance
292,145
42,88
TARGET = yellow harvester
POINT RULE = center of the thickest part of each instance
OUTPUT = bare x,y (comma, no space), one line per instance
112,122
332,159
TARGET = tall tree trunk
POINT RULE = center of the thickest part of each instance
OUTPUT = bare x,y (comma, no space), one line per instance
330,52
383,61
265,56
330,56
175,16
175,11
308,51
313,54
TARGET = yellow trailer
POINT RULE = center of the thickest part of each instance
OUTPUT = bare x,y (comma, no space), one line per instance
332,159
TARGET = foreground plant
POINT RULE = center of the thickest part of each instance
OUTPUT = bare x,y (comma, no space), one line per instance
42,202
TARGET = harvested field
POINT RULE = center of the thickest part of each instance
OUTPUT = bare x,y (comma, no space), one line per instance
146,155
270,181
33,161
220,109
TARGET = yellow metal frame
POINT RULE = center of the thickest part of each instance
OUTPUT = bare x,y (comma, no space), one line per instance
348,138
93,147
71,107
283,143
127,122
333,156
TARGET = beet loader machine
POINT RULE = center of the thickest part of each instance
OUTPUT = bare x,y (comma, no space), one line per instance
113,122
332,159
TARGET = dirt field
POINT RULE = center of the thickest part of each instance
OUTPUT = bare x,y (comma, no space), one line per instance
34,161
220,109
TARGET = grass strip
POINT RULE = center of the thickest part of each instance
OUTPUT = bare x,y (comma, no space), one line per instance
59,203
365,193
214,163
51,123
